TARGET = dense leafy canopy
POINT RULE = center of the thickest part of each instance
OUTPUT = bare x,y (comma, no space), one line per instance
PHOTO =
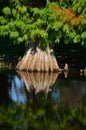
57,22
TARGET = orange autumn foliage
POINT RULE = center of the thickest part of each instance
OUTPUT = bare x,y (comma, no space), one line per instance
68,13
69,16
76,20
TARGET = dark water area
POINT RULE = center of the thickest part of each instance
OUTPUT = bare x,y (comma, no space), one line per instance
37,101
73,54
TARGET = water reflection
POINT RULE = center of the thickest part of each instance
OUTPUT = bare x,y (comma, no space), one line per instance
60,90
42,101
17,90
27,86
70,91
38,82
65,74
4,85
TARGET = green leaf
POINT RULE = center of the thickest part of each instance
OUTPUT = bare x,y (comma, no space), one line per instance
83,36
20,39
79,9
14,12
66,28
24,9
14,35
4,30
19,24
72,34
39,23
82,43
27,28
6,11
2,20
43,34
25,37
35,11
11,25
76,39
57,25
57,40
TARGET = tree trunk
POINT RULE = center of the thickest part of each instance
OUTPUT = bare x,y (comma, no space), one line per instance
39,59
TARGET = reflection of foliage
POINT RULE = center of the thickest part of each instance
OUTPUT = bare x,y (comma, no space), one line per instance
44,115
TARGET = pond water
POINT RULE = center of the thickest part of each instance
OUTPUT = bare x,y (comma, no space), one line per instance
37,101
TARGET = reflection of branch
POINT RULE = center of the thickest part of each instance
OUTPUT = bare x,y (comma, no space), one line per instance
65,74
39,81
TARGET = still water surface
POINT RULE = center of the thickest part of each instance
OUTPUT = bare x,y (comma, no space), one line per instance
37,101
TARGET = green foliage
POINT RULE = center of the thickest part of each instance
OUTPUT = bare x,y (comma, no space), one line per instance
14,35
6,11
4,30
64,3
66,28
83,36
52,24
2,20
13,22
79,6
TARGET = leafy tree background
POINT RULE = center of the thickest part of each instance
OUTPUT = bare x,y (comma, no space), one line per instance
59,22
20,22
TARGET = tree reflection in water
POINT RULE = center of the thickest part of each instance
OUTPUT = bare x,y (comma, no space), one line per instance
32,84
38,84
35,106
38,81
